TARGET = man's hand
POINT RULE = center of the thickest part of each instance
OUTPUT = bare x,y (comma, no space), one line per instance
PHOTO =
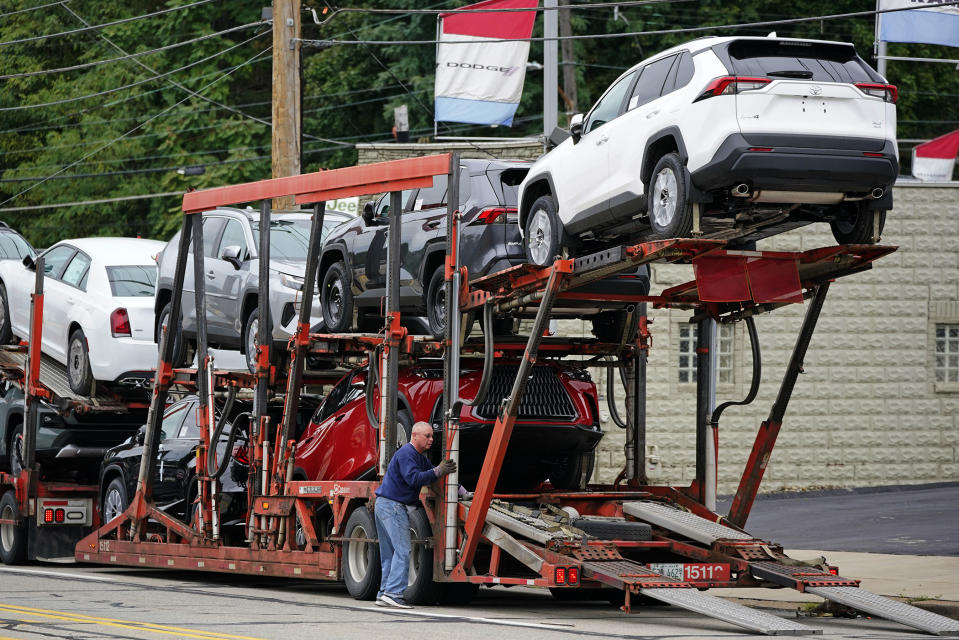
445,468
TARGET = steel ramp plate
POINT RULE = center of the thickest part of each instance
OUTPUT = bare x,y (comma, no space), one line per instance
889,609
682,522
737,614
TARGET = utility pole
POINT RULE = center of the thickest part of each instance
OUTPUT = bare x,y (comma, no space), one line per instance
286,93
549,67
569,69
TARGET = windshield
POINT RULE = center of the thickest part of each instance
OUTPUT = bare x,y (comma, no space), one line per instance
135,281
289,239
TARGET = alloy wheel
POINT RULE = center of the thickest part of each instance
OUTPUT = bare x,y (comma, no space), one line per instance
77,360
252,332
664,197
112,505
540,232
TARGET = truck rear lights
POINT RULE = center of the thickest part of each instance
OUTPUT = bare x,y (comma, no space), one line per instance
496,214
566,575
887,92
728,85
120,323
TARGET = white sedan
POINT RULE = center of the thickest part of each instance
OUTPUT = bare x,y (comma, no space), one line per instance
98,307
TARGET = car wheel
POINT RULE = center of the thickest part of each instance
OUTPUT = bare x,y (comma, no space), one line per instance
115,501
179,352
13,537
15,451
78,364
404,427
670,212
457,594
251,328
6,331
436,303
610,326
856,226
361,560
542,239
573,471
421,589
337,298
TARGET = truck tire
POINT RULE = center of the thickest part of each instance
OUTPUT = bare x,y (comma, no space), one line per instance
78,364
421,590
13,537
336,296
670,212
361,560
614,529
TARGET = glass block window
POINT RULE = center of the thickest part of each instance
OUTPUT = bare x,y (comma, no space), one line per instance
947,353
687,352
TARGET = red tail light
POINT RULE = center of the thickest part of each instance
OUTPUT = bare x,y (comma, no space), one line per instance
560,575
573,575
495,214
887,92
728,85
48,515
241,455
59,515
120,323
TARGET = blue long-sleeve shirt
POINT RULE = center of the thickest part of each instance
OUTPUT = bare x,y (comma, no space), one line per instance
408,471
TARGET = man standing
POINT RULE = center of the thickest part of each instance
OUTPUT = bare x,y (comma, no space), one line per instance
408,472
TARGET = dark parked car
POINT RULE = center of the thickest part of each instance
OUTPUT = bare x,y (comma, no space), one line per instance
13,246
230,249
555,436
352,273
174,480
77,441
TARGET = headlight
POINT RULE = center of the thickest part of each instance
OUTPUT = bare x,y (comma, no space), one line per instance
292,282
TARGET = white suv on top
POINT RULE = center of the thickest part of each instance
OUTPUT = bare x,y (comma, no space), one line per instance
760,135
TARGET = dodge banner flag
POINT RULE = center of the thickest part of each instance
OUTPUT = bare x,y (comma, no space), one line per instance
922,23
481,62
934,161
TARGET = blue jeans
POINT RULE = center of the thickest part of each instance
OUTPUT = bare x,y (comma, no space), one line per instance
393,531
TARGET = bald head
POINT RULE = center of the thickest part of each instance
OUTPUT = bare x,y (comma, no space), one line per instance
422,436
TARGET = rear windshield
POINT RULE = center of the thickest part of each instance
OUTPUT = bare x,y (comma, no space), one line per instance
135,281
796,60
14,247
510,181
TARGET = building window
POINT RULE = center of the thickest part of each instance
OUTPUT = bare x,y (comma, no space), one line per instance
947,353
687,352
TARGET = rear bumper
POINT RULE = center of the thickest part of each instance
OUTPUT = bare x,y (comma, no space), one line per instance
800,163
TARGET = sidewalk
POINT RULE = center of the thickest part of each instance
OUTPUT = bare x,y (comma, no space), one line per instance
932,580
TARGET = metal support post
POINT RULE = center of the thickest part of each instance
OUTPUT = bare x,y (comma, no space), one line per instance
161,382
640,359
31,415
451,363
499,440
769,430
264,330
390,361
550,59
704,375
203,382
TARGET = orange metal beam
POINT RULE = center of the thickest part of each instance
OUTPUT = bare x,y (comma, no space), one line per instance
394,175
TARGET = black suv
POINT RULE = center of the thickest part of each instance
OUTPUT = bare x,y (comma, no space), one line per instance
352,273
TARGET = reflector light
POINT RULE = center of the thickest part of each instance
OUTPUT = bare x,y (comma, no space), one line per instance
59,515
560,575
729,85
48,515
869,154
887,92
760,148
572,575
833,569
120,323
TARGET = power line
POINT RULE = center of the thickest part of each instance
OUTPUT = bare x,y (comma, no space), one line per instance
129,56
37,207
138,82
144,123
42,6
105,24
630,34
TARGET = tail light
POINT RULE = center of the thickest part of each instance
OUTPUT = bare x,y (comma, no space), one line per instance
572,576
120,323
560,575
728,85
496,214
887,92
241,454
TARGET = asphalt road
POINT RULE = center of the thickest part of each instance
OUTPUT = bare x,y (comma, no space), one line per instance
85,603
912,520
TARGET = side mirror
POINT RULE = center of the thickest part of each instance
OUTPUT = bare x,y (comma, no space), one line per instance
29,263
368,212
576,127
232,255
141,435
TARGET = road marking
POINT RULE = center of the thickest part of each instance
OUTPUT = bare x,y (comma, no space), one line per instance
58,574
123,624
453,616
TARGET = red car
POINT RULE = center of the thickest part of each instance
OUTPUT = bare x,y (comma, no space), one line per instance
554,438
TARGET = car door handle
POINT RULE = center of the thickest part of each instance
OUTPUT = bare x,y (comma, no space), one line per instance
432,224
602,140
211,274
652,114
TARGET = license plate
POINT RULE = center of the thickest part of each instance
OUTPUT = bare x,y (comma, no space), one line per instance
693,571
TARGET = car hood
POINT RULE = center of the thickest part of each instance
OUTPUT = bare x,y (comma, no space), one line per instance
291,267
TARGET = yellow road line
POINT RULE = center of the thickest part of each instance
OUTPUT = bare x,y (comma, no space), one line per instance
125,624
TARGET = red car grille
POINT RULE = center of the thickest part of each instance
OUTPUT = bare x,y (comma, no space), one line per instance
545,397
